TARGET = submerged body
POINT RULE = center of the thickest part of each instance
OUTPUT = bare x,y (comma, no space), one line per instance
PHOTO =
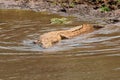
48,39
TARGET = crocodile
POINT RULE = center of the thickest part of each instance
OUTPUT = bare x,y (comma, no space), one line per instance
50,38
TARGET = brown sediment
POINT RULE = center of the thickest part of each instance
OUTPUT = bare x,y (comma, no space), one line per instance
84,10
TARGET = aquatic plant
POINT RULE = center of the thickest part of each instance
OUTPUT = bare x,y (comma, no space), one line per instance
104,9
60,21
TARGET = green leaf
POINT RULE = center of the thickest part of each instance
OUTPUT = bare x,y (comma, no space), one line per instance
60,21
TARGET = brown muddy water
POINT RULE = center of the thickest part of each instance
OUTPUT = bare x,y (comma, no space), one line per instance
93,56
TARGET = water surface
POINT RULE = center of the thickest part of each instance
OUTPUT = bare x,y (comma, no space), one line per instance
92,56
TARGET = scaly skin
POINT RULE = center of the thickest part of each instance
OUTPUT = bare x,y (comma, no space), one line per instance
48,39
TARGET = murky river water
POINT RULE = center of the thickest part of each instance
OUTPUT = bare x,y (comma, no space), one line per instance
93,56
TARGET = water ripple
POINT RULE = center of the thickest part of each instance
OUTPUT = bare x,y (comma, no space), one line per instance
18,36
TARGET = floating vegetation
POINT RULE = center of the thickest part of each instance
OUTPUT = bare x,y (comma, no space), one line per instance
60,21
104,9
